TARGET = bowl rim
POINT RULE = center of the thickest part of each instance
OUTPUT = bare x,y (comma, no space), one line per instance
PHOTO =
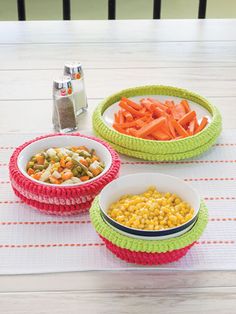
24,173
152,237
149,233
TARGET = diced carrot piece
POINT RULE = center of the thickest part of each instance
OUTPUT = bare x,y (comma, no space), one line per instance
37,175
179,129
84,162
185,104
60,169
94,158
74,148
66,175
202,125
30,171
131,103
40,159
54,180
69,164
150,127
131,109
96,171
83,148
63,162
84,178
187,118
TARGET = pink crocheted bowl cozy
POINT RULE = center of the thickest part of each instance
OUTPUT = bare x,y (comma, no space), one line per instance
66,200
146,251
146,258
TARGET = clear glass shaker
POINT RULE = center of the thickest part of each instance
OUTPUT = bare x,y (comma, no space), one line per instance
75,71
64,111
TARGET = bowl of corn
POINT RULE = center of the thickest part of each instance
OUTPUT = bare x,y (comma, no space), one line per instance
149,205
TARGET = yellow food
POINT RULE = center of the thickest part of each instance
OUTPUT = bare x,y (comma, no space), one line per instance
151,210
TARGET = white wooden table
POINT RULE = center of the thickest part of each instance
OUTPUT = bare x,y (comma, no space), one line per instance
199,55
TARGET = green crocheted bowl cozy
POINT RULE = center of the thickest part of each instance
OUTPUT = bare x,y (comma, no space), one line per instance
151,246
158,150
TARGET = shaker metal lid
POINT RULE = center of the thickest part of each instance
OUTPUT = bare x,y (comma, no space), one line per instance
73,68
63,82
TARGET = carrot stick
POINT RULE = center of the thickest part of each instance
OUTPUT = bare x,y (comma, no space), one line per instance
131,103
179,129
202,125
118,128
159,112
188,117
131,109
171,128
161,135
128,116
116,117
150,127
158,104
121,117
191,127
147,104
185,104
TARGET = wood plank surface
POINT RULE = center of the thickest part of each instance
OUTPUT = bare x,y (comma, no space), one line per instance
182,301
119,55
101,83
117,31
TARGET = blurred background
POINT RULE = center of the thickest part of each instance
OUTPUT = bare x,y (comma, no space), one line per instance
125,9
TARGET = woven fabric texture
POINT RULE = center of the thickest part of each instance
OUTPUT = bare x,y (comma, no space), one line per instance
143,258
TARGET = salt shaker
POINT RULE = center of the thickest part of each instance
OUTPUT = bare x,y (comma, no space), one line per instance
64,111
75,71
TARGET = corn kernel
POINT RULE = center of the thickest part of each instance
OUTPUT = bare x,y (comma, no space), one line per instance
151,210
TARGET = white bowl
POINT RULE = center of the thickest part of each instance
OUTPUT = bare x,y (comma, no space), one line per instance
139,183
62,141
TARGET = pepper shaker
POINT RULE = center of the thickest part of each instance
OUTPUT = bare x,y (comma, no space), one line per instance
75,71
64,111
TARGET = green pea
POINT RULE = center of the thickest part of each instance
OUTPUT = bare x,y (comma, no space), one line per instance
30,164
75,172
79,169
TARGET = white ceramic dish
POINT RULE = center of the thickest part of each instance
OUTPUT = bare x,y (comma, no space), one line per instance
108,115
62,141
138,183
164,237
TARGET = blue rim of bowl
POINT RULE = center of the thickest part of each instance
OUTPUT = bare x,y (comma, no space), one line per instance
148,233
